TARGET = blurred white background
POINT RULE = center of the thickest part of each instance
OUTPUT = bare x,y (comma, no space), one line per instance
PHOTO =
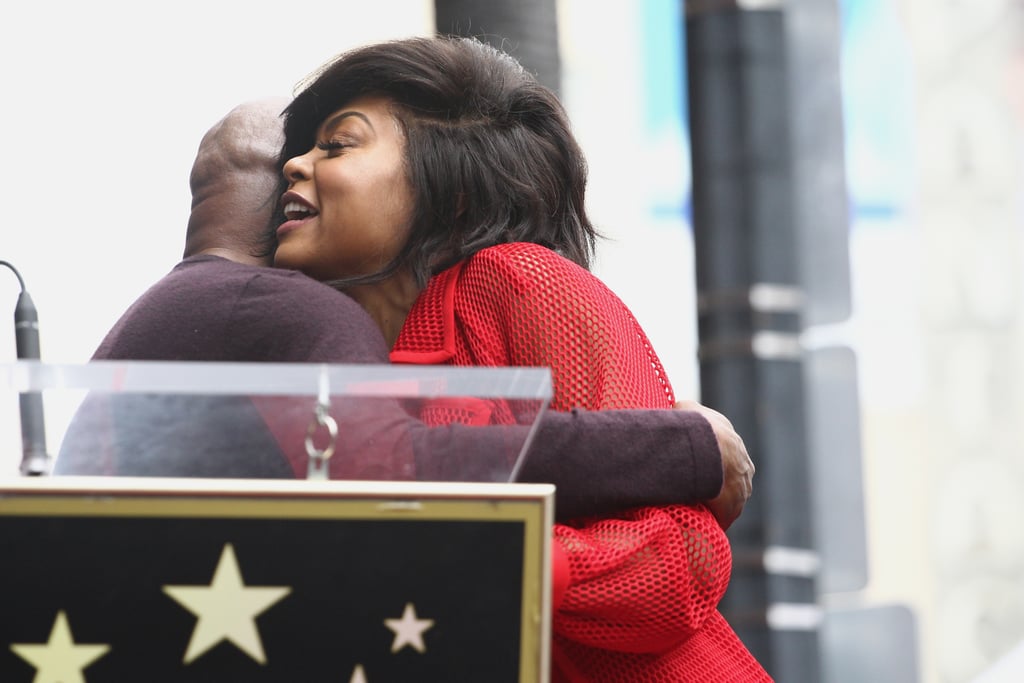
105,102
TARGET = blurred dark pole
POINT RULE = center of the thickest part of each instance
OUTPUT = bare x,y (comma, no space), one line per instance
750,303
525,29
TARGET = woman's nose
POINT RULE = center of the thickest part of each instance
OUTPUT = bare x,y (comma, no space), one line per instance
298,167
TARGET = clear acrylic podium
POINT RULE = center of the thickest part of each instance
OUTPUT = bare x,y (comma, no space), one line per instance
265,522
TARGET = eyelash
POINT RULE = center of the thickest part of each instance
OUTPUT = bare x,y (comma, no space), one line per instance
332,146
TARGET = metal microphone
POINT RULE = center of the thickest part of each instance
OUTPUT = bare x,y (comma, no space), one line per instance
34,459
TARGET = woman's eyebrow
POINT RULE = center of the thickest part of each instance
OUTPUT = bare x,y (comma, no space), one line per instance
338,118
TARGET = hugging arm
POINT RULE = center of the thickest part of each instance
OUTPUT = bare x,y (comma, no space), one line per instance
605,461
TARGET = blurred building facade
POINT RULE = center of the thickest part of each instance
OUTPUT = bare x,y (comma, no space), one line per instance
952,251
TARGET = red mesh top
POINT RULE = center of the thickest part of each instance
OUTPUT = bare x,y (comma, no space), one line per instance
643,585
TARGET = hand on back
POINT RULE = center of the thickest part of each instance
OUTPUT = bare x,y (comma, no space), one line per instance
737,467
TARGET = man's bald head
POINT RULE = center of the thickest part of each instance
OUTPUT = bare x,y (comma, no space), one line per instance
234,183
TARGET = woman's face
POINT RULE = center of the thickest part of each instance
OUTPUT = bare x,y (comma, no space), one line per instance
349,203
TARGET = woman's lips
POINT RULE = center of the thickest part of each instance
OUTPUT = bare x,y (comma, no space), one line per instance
297,211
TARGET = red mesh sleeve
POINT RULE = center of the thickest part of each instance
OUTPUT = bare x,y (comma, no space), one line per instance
643,581
713,655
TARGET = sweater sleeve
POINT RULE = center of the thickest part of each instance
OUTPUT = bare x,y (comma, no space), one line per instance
643,580
605,461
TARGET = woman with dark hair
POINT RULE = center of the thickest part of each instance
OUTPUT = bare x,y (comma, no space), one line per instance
475,126
438,184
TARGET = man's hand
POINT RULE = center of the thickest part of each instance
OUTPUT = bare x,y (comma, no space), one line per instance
737,467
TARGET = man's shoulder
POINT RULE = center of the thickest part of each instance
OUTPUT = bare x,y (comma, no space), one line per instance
213,308
217,271
291,284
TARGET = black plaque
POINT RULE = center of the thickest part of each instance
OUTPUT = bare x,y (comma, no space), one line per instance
179,580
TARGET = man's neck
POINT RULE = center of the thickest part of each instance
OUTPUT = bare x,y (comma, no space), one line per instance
235,255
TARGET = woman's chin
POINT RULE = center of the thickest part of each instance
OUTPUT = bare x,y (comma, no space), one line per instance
287,264
284,259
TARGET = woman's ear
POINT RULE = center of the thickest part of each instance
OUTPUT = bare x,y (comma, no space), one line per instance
460,204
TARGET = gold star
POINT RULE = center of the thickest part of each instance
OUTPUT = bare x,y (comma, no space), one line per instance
408,630
60,660
358,675
226,609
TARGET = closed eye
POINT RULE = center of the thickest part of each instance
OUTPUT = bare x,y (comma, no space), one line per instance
332,147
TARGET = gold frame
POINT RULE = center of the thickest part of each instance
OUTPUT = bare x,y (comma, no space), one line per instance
532,504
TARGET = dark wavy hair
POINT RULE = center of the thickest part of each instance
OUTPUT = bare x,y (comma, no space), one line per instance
489,154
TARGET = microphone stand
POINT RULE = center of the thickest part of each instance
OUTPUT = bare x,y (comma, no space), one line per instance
34,459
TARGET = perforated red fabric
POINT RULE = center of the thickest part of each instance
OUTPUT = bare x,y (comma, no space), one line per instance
644,584
522,304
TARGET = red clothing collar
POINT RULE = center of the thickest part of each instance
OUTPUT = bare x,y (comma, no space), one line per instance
433,344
